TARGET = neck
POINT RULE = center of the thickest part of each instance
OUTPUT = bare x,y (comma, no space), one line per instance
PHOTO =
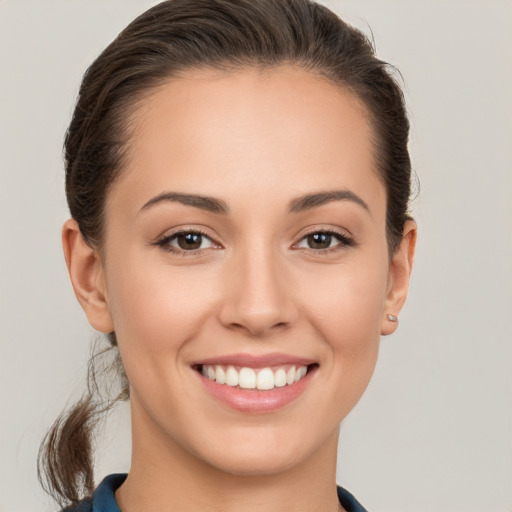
166,477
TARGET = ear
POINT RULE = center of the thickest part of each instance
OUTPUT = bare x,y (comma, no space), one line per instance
399,275
87,277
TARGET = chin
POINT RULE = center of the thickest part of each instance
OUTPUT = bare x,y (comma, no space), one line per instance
263,463
265,453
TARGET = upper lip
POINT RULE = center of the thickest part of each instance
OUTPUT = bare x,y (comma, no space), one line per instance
256,361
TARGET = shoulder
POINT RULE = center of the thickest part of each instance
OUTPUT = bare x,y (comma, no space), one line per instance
82,506
349,502
103,499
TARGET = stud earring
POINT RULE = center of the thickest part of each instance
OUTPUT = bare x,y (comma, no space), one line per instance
392,318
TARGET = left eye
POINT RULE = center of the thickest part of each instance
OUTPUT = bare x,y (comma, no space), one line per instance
188,241
323,240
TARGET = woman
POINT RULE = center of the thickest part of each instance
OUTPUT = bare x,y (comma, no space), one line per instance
238,179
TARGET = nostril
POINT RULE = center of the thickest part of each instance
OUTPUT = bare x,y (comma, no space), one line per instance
255,329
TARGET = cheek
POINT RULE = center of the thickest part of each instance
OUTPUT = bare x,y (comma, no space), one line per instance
346,305
345,308
155,307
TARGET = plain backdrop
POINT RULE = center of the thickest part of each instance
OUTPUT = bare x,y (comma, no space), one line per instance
434,429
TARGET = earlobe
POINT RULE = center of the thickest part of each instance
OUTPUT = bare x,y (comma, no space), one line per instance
399,275
87,277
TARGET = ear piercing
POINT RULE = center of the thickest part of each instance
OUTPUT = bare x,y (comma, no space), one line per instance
392,318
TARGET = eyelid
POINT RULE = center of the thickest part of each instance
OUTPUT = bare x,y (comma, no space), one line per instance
163,240
345,240
344,237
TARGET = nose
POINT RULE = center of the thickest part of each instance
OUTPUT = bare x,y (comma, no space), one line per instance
258,300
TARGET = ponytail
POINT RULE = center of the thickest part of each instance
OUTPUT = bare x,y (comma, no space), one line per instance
65,465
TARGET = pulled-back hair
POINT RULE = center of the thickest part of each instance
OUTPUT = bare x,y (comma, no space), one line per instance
168,39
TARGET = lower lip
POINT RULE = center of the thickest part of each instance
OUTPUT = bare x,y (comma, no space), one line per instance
256,401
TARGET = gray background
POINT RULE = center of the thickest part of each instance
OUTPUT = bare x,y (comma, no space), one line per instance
433,431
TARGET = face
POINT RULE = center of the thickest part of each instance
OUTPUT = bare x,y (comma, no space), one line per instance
245,245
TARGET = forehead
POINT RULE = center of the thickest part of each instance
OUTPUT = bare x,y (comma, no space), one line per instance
264,130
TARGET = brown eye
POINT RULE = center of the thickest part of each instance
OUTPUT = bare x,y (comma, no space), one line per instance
323,240
189,241
186,241
319,241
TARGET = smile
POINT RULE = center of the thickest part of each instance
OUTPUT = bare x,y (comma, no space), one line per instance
256,384
262,379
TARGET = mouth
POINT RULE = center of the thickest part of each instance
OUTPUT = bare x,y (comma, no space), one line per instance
256,384
262,379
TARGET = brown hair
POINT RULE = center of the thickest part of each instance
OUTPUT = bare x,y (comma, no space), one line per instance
169,38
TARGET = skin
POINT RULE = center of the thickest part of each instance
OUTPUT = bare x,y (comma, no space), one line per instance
256,140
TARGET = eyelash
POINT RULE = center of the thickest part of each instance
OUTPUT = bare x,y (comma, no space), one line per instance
165,241
344,241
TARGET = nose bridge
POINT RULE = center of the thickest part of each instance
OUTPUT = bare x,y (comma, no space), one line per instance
257,299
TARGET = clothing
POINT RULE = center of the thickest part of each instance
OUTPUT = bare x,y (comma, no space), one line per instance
104,499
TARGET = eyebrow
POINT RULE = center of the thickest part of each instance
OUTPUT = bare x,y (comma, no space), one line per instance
309,201
210,204
214,205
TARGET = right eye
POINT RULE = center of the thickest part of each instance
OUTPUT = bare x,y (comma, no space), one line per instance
187,242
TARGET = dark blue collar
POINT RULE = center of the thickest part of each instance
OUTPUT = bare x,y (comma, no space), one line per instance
104,499
348,501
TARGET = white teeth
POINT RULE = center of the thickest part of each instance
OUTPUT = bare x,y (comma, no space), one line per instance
249,378
290,376
300,373
231,376
265,379
280,378
220,375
